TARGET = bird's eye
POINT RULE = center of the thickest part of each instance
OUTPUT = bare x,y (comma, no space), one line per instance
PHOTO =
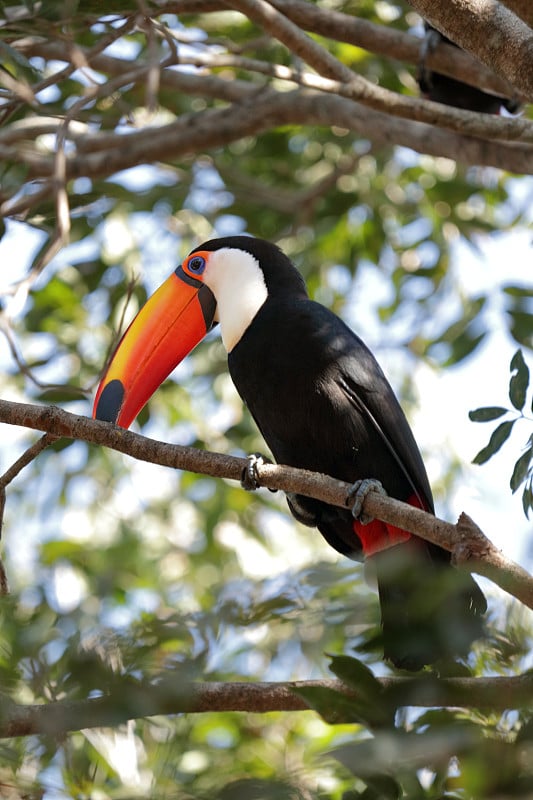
197,264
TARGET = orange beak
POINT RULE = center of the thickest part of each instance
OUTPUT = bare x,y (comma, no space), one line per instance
165,330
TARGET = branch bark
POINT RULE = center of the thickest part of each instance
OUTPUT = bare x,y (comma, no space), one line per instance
522,8
101,154
490,31
393,44
470,548
335,79
131,700
334,96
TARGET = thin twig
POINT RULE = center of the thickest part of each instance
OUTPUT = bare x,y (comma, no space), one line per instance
26,458
6,329
77,58
115,339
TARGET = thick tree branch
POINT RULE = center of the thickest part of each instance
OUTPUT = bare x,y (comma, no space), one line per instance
259,111
335,79
522,8
172,695
469,547
490,31
379,39
393,44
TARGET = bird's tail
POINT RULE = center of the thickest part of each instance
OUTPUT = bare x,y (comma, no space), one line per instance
430,611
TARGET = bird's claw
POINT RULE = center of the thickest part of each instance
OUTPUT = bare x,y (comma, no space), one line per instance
250,476
356,497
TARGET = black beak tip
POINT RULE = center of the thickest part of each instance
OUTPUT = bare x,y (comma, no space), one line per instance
110,402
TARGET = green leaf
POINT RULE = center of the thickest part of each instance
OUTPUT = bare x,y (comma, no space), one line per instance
521,326
518,291
527,500
519,381
487,414
521,469
463,346
59,550
356,675
11,57
499,436
333,706
369,703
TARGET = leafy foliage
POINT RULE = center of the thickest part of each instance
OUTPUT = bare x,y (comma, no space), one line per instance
523,468
124,575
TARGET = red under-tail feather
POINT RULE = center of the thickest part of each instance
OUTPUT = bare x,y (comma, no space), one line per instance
378,535
429,611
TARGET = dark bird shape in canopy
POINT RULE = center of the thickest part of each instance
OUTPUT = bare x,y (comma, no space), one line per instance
451,92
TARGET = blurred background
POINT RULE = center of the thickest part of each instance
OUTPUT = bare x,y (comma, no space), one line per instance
123,569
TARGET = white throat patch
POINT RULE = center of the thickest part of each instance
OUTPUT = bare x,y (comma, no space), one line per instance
238,284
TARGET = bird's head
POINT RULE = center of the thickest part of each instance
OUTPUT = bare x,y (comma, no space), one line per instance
223,280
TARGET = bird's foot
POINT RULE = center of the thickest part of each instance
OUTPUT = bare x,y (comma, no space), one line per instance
250,476
356,497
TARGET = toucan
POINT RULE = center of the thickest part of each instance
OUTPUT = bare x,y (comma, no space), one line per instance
443,89
322,403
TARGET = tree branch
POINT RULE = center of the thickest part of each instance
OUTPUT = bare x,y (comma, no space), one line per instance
469,547
378,39
171,695
490,31
522,8
396,118
259,111
335,78
294,39
393,44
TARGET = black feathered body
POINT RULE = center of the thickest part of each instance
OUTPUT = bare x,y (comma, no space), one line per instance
322,403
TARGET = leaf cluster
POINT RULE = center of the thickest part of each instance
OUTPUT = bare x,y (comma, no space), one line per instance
523,468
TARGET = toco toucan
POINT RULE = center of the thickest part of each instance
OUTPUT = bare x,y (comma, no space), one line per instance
322,403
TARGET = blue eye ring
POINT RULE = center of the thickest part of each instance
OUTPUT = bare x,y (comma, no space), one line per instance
196,264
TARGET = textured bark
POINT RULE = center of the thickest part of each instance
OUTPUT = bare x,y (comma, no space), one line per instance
491,32
171,695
